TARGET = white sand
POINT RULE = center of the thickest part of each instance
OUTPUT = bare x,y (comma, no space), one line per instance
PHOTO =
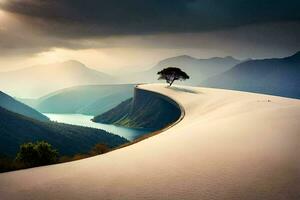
230,145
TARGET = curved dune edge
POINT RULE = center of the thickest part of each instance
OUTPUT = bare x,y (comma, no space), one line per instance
146,136
229,145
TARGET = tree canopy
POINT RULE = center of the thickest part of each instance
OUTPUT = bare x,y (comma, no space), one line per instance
172,74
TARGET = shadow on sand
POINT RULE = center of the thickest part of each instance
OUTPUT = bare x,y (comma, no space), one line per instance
179,89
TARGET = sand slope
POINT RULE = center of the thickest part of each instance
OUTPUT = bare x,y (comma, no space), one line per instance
230,145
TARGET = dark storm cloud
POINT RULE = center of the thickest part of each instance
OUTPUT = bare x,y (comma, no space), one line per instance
80,18
256,27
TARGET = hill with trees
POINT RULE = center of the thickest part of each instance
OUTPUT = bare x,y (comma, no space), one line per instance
17,129
13,105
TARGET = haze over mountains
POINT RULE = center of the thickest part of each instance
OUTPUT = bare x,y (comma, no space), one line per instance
198,69
271,76
277,76
40,80
89,100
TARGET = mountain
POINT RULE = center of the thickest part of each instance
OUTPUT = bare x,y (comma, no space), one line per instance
89,100
17,129
13,105
40,80
197,69
277,76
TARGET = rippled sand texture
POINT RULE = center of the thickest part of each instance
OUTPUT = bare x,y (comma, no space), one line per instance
230,145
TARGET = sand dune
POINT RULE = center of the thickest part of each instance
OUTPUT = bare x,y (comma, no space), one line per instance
230,145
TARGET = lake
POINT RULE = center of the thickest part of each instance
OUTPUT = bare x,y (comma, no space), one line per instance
85,120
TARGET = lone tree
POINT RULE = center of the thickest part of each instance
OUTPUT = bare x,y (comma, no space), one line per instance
172,74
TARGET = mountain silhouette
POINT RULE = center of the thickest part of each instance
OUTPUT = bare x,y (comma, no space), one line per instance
197,69
276,76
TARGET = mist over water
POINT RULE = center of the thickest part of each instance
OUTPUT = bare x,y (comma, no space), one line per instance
85,120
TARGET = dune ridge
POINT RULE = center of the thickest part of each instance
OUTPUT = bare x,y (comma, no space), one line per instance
229,145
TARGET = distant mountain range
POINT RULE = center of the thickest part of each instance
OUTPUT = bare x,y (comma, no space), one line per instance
89,100
197,69
13,105
272,76
17,129
40,80
277,76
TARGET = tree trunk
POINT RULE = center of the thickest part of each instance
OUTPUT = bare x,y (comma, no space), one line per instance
172,82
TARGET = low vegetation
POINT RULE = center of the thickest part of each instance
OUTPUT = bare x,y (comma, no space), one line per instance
37,154
42,153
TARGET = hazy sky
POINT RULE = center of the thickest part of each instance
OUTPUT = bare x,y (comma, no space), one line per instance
135,34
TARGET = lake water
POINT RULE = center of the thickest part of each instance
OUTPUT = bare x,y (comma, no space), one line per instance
85,120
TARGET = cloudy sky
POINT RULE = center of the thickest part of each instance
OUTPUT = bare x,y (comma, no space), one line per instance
135,34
